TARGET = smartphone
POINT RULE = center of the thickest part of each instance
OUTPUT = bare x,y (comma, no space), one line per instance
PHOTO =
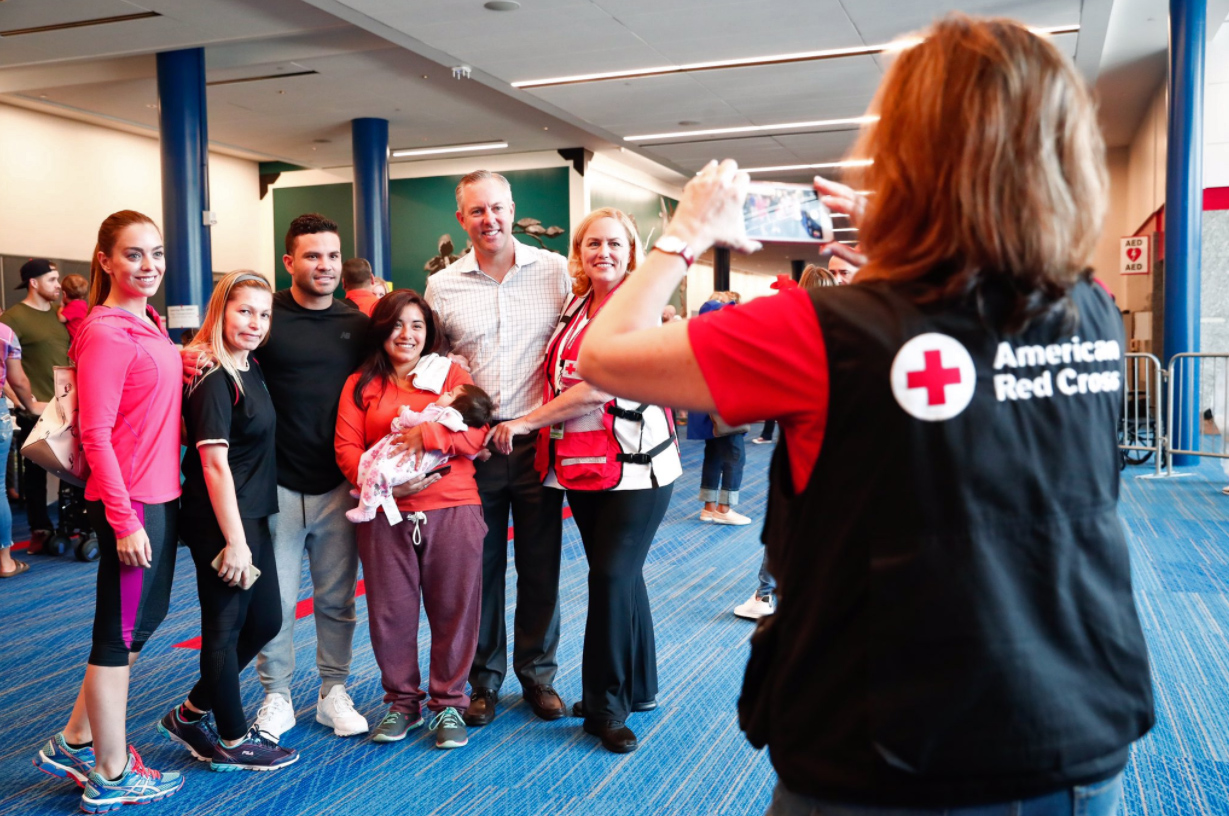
786,212
249,577
442,470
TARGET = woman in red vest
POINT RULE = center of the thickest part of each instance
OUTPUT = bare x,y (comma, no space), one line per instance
617,459
955,628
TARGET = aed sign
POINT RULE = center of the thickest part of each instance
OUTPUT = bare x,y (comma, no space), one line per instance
1135,255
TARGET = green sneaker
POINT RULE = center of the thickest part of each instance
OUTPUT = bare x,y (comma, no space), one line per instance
395,726
449,729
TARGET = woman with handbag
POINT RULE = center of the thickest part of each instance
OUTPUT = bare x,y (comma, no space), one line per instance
129,384
229,493
12,378
618,460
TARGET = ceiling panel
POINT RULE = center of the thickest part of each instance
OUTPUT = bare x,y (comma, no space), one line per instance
880,21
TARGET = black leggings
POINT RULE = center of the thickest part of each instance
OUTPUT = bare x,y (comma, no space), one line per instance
131,601
235,623
619,665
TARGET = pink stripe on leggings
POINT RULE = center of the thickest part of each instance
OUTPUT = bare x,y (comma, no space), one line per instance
131,582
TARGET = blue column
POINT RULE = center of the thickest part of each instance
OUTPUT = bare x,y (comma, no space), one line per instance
372,236
183,123
1184,204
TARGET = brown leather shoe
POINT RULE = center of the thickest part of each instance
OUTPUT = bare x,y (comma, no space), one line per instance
616,737
481,707
545,701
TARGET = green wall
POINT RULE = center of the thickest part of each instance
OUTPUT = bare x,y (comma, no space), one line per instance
421,210
644,206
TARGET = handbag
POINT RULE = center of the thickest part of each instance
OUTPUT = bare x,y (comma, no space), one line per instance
54,444
722,428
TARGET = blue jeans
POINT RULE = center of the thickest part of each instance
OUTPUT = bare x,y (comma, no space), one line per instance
722,472
1099,799
6,513
768,584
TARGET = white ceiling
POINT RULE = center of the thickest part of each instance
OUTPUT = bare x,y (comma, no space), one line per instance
391,59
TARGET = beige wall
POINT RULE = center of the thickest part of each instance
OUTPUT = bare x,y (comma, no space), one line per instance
59,178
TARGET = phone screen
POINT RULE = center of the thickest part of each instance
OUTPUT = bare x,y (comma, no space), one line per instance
786,212
442,470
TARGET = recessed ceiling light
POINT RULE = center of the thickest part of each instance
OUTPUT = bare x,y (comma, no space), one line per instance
845,229
749,62
430,151
322,141
819,166
501,5
688,123
818,123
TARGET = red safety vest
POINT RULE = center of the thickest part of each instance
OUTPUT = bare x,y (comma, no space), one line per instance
585,451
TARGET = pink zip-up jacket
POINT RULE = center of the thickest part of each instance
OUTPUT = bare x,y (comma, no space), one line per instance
129,394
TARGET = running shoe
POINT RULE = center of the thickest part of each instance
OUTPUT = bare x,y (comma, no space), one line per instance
449,729
57,759
276,715
337,712
395,726
200,737
137,785
258,752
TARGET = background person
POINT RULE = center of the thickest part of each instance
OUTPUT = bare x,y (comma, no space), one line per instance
11,375
357,280
229,493
497,306
128,375
74,308
725,452
44,345
435,555
618,461
979,644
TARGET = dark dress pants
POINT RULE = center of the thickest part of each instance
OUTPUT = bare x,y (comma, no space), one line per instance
510,483
34,481
617,527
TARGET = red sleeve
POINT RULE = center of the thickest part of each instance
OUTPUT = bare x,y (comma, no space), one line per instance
766,360
438,438
350,440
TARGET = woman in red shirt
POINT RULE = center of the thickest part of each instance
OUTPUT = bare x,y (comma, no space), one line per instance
434,554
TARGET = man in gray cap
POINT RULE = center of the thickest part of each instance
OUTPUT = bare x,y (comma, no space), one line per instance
44,345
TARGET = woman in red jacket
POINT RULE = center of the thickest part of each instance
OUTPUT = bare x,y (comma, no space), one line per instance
435,554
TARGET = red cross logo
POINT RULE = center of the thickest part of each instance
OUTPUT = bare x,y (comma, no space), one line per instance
934,378
569,369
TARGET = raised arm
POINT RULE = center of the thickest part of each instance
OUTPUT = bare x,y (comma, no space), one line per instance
626,350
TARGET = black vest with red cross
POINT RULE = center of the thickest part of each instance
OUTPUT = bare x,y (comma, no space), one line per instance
955,622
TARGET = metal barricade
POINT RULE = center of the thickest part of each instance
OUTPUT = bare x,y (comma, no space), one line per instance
1212,393
1141,434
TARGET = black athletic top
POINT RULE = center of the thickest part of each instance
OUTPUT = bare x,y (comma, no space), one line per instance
215,411
309,356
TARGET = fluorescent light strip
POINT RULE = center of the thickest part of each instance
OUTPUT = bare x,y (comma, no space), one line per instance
845,229
748,62
820,166
431,151
819,123
44,29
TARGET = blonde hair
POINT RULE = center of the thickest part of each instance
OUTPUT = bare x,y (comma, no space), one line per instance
988,166
815,276
108,234
209,337
576,266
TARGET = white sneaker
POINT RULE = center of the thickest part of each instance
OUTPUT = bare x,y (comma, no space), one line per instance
755,608
276,715
730,516
759,440
337,712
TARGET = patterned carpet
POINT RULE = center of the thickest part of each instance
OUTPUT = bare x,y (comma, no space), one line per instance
692,758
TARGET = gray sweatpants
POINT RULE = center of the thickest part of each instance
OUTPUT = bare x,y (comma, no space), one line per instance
318,526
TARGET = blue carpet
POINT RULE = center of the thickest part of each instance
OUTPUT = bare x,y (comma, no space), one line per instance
692,758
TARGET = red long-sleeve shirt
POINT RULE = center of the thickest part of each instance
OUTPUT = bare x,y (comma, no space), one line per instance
358,430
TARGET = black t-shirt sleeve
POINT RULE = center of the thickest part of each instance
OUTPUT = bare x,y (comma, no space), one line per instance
208,409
